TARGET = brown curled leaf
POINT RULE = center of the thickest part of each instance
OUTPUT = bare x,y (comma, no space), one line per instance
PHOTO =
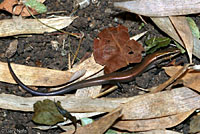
11,50
16,8
115,50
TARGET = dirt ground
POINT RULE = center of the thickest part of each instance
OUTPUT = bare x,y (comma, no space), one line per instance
38,51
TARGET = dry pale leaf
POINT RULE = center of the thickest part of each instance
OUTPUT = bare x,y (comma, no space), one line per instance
68,127
161,104
159,132
41,1
183,29
138,36
165,25
160,7
191,79
46,77
152,105
154,123
17,25
99,126
89,91
34,76
69,102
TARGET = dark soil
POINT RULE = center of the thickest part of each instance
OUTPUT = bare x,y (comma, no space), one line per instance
38,51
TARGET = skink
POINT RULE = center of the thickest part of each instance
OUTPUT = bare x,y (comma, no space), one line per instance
112,78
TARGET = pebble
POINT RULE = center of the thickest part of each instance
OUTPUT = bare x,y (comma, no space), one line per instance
108,10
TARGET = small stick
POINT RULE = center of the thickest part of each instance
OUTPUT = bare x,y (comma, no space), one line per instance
105,92
79,45
62,31
172,79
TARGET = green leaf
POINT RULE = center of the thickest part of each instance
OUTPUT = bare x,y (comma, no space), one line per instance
179,47
39,7
155,43
110,131
141,26
46,113
193,27
86,121
129,133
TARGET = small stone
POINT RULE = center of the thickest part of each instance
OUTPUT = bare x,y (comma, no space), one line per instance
92,24
95,1
108,10
81,3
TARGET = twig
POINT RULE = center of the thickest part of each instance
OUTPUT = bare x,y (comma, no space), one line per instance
105,92
172,79
72,34
79,45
